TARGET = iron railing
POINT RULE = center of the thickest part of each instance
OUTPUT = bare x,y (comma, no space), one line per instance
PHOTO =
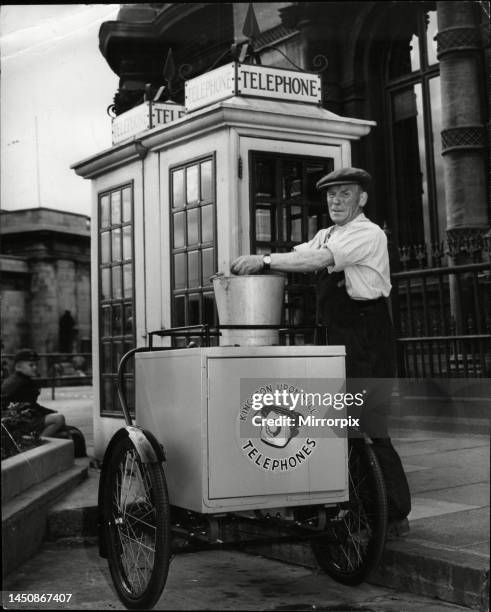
442,320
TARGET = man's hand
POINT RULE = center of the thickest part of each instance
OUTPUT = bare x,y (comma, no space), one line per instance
247,264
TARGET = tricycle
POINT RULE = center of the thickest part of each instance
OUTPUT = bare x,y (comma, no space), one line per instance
190,475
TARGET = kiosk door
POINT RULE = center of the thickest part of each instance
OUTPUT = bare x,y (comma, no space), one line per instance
286,209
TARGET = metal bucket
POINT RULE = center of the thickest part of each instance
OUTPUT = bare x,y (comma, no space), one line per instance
249,300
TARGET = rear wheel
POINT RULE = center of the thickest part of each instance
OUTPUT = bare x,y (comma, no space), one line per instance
354,539
136,524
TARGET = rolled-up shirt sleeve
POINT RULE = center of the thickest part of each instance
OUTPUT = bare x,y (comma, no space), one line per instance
317,242
359,249
356,248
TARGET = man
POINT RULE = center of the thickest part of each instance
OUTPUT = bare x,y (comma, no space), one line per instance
20,388
351,261
66,332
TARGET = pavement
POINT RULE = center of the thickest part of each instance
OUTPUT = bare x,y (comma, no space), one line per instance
443,564
212,580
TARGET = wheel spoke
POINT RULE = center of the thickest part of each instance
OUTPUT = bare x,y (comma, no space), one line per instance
136,524
355,536
138,563
134,517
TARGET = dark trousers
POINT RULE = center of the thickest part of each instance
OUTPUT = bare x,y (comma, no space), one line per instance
365,329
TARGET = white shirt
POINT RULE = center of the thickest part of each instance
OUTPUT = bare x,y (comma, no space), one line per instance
360,249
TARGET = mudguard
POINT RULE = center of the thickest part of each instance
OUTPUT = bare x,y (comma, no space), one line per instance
149,450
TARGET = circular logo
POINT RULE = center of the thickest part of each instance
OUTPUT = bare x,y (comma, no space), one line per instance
272,429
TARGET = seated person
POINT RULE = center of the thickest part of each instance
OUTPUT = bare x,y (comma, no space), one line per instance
20,388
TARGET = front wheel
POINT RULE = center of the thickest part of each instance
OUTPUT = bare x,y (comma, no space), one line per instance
354,539
136,526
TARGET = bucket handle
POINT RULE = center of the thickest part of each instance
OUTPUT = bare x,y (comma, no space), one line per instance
216,275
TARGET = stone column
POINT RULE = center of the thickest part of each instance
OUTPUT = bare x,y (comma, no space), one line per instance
463,146
463,131
82,286
44,306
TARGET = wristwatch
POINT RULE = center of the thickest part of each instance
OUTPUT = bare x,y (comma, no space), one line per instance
267,262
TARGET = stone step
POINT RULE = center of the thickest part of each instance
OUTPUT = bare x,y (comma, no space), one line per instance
34,466
75,516
453,425
24,517
460,577
448,575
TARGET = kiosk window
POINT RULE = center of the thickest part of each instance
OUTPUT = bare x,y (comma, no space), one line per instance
193,243
178,188
286,209
116,299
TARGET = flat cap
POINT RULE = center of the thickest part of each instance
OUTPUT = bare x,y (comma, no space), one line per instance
26,355
342,176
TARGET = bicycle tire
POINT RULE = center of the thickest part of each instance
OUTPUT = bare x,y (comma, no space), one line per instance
354,539
136,522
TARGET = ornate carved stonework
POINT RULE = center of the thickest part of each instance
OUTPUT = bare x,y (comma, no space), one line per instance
463,137
457,39
136,45
465,244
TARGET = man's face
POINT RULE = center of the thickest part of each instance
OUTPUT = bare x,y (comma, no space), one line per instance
28,368
345,202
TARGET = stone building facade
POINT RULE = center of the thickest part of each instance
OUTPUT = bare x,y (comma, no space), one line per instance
175,203
421,72
45,270
419,69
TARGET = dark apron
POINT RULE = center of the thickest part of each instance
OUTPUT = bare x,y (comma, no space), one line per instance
364,327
